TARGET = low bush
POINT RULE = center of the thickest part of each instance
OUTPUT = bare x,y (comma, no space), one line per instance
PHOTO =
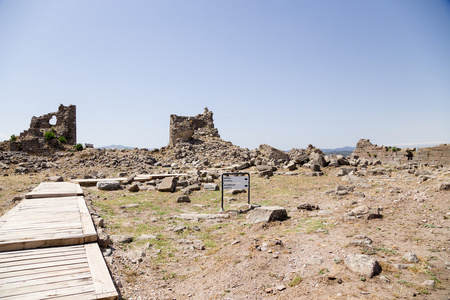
62,139
79,147
49,135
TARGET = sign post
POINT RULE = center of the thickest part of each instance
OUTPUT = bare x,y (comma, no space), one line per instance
232,181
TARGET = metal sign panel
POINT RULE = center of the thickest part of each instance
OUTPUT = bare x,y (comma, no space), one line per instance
235,182
232,181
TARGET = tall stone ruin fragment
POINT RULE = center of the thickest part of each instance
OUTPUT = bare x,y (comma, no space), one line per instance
185,129
32,140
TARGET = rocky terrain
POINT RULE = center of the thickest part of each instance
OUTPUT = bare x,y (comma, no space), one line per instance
355,228
318,227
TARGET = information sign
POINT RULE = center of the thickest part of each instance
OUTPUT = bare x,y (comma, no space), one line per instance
235,182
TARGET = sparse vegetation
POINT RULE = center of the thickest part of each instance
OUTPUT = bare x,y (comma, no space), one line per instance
62,139
78,147
13,138
49,135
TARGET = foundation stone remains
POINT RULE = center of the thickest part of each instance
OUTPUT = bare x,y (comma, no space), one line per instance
394,155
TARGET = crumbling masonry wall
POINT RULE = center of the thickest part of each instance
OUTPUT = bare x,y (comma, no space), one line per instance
393,155
32,140
184,129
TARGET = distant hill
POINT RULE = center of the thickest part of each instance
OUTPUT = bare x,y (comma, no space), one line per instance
115,147
339,151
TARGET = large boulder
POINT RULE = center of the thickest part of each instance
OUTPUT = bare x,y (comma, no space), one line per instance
110,185
267,214
363,212
273,153
168,184
363,265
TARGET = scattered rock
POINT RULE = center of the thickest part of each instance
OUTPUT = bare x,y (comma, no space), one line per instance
134,188
430,283
55,179
308,206
363,265
211,187
445,186
168,184
363,212
108,185
183,199
361,240
267,214
103,239
123,239
411,257
236,191
129,180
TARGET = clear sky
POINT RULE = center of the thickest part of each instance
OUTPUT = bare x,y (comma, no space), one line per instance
286,73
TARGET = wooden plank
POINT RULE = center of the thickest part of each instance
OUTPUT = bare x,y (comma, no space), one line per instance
86,222
25,283
104,286
17,255
43,265
61,241
40,260
51,289
30,272
55,189
30,277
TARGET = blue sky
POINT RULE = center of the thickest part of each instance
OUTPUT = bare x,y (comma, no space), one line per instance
284,73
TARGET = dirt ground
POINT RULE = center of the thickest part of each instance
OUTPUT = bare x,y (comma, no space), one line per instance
156,254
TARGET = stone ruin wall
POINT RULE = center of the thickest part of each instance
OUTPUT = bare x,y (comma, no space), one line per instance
32,140
431,155
185,129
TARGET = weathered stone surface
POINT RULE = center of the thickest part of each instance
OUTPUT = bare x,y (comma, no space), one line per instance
55,178
267,173
183,199
129,180
244,165
108,185
344,189
168,184
263,168
134,188
292,166
445,186
272,153
267,214
308,206
363,265
411,257
123,239
190,188
236,191
361,240
363,212
211,187
103,239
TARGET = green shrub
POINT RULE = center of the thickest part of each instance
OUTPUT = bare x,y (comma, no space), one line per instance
79,147
62,139
49,135
13,138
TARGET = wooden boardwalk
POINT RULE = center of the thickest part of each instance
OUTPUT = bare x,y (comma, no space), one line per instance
48,249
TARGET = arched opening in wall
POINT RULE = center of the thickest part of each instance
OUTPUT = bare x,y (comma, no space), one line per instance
53,121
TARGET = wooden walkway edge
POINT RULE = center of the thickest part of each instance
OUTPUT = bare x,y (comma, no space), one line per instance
48,249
